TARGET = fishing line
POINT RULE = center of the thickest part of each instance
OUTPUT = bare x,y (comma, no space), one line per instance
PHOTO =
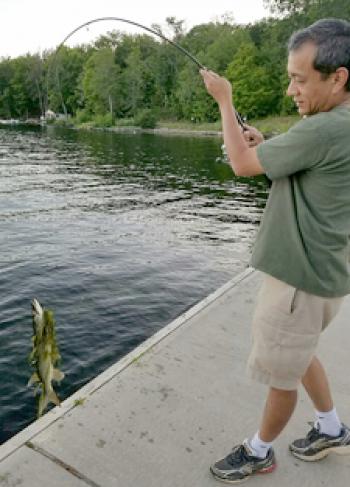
118,19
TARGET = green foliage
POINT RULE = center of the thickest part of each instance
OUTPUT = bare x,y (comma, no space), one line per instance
124,122
146,119
288,5
256,94
6,95
275,124
102,121
312,8
64,79
122,77
287,104
190,97
101,83
82,116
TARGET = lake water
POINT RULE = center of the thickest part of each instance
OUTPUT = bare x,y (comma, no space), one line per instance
118,234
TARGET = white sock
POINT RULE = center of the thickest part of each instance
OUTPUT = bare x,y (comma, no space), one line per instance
258,446
329,422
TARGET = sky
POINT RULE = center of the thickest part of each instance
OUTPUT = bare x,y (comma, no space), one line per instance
36,25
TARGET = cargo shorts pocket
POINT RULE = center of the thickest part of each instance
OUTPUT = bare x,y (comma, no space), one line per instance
285,333
282,353
277,298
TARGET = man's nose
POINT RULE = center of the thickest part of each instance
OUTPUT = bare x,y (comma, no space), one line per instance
291,90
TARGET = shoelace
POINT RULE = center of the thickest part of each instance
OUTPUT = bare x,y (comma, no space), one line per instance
314,433
238,454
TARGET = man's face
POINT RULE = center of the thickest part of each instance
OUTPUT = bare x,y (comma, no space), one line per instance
310,92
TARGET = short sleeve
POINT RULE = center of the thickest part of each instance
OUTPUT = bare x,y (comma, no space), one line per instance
301,148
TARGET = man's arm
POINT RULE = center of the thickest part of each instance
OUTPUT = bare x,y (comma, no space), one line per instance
242,156
243,159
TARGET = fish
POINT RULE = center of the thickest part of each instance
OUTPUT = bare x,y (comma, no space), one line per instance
44,356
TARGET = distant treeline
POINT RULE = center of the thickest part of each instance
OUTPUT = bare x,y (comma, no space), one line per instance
121,76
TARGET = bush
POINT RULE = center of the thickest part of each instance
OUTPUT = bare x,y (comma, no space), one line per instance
62,122
82,116
103,120
124,122
146,119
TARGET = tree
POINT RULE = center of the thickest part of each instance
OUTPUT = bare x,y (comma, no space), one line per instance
254,93
289,6
25,87
133,79
122,74
191,99
100,82
176,27
64,78
6,98
139,74
314,8
36,80
222,50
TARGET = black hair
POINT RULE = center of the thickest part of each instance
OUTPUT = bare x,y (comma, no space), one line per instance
332,40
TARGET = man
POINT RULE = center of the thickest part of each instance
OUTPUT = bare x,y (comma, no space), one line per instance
302,246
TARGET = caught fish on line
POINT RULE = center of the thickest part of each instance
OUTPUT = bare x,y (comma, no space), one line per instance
44,356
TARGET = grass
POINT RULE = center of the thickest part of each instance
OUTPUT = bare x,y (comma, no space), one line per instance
269,126
276,124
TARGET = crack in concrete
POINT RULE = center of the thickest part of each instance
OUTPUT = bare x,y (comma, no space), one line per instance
73,471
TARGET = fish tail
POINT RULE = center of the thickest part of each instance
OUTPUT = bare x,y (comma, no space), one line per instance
53,398
45,399
43,402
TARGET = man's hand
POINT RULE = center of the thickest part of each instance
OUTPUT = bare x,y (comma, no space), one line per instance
219,88
252,136
239,144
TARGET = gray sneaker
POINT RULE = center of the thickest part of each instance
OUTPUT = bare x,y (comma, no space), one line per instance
318,445
241,463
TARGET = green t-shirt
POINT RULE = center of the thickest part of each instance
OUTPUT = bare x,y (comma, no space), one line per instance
304,237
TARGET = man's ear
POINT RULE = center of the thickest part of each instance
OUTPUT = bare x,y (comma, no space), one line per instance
340,78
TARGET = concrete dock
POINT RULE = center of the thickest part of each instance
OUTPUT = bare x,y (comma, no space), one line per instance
161,415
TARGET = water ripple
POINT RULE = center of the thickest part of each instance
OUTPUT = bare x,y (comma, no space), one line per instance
118,235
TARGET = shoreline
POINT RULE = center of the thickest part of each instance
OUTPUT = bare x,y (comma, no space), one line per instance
269,127
116,129
156,131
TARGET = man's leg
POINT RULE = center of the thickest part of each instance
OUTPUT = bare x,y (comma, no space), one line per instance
316,385
280,404
256,455
279,407
327,434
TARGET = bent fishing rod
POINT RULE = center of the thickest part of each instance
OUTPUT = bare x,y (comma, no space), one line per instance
152,31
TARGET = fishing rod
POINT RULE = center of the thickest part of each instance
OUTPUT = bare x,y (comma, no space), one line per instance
153,31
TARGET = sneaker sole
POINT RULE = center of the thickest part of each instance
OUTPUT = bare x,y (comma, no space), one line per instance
238,481
339,450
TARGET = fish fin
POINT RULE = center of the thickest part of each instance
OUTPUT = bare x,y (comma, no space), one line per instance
53,398
37,389
43,402
57,375
34,378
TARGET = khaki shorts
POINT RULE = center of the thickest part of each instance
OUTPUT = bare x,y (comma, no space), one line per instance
287,324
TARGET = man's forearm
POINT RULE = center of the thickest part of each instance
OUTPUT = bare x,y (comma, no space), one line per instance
242,155
236,146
